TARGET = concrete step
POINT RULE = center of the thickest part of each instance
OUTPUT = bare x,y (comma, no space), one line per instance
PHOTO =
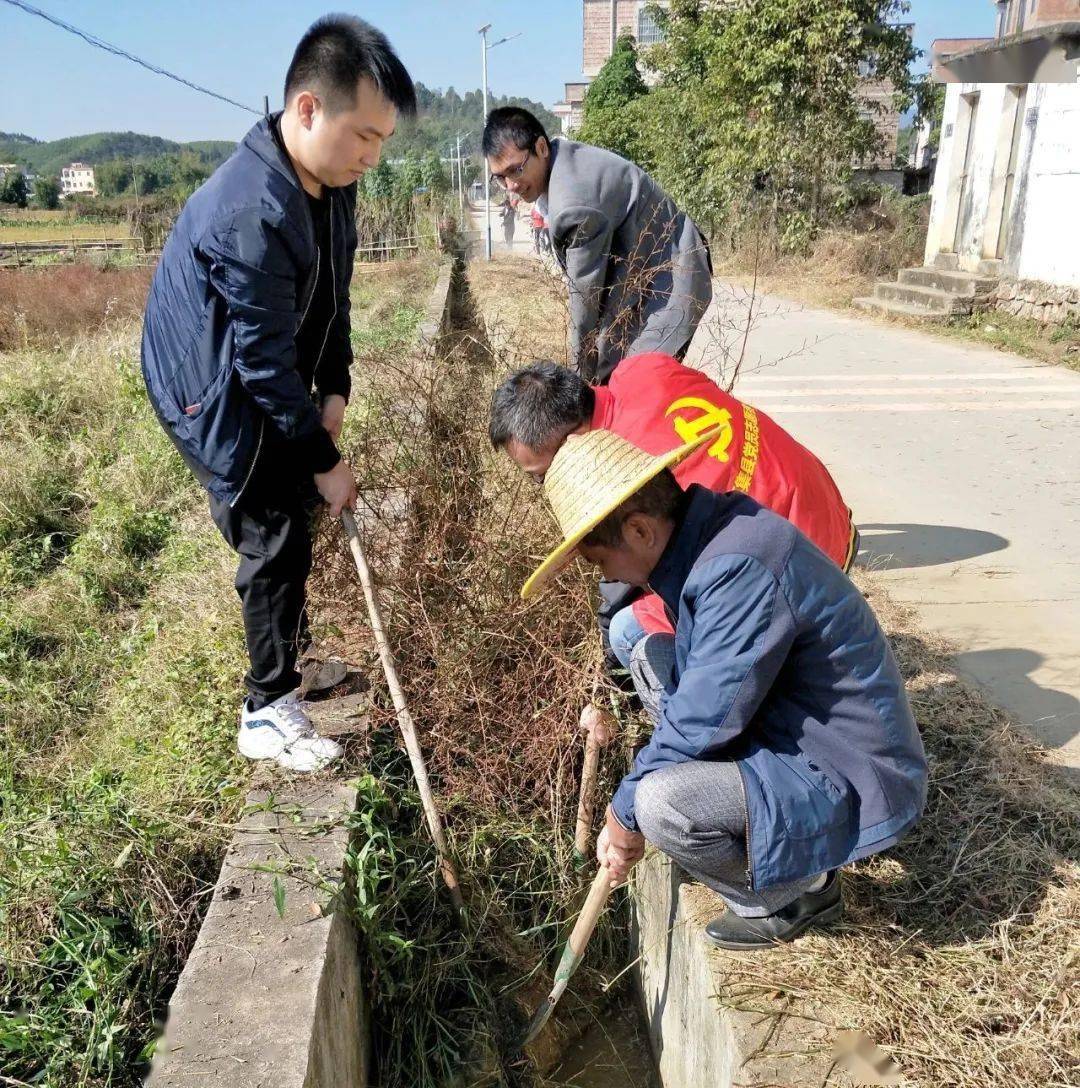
881,306
949,262
955,283
923,298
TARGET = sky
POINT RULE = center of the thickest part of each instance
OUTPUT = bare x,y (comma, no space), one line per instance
53,84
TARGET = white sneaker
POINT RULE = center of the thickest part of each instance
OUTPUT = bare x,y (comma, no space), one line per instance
283,732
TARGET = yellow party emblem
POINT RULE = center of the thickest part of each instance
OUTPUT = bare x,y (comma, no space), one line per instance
711,416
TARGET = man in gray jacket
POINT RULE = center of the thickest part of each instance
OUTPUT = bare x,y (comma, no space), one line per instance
638,268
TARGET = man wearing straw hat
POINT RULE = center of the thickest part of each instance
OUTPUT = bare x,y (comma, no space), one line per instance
658,404
784,745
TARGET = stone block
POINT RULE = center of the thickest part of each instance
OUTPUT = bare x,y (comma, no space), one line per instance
272,991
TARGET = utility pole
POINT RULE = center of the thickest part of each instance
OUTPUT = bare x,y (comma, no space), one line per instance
484,47
460,178
487,173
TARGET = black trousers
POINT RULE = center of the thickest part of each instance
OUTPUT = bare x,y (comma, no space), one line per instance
270,528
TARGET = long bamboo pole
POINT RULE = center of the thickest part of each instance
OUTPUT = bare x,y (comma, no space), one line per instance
404,718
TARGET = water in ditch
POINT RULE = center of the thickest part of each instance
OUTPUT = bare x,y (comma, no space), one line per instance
613,1053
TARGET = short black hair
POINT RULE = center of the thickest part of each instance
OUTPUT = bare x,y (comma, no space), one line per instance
538,403
660,498
336,53
510,125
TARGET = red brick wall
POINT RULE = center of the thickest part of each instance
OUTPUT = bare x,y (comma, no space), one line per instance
597,30
1054,11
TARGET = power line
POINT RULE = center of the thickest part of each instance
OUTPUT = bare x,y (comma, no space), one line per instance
92,39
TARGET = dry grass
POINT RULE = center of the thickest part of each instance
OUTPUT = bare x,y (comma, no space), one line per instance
523,308
58,304
843,263
958,953
62,232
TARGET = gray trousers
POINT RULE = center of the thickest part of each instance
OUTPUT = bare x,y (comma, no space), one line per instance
695,812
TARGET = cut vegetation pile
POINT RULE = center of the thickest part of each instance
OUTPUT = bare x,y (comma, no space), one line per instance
958,953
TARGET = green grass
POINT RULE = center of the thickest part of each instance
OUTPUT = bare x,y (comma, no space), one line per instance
398,329
120,654
1022,336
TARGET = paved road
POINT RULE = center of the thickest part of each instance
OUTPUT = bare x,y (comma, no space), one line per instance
522,245
963,468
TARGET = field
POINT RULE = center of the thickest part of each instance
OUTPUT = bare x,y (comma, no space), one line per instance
121,654
63,232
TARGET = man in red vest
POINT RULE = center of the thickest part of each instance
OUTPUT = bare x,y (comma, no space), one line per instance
659,404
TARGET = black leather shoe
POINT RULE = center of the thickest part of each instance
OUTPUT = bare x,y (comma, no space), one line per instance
747,934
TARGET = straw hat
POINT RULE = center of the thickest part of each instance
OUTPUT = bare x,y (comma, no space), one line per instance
592,475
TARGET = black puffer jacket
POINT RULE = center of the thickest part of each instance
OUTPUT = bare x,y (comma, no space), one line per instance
227,300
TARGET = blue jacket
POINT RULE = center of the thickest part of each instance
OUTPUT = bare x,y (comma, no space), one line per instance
781,666
228,297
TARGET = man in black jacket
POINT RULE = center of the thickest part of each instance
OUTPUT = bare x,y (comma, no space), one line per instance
248,314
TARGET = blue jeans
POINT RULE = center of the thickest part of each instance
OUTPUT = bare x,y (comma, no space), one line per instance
624,634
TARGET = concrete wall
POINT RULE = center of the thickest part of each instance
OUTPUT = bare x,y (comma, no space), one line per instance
1042,239
268,997
699,1037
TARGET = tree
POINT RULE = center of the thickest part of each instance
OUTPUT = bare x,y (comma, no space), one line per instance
433,172
769,89
611,119
112,178
378,184
14,189
46,192
408,177
619,81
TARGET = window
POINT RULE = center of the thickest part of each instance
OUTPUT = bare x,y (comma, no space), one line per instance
648,33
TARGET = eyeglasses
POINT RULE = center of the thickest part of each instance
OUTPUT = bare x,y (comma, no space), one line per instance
511,174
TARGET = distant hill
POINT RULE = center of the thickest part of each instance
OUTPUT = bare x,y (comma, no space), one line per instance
17,138
49,156
443,114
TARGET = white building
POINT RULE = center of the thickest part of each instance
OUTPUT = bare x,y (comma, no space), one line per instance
1004,222
76,177
1007,184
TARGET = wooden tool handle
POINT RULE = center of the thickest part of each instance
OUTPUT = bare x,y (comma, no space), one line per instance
590,913
404,718
588,791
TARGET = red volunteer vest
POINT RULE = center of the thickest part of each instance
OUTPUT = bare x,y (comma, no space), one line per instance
658,404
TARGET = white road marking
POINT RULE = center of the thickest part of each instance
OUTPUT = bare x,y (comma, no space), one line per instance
1040,373
927,406
905,392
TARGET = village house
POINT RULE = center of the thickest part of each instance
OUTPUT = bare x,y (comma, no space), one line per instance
1008,171
76,177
